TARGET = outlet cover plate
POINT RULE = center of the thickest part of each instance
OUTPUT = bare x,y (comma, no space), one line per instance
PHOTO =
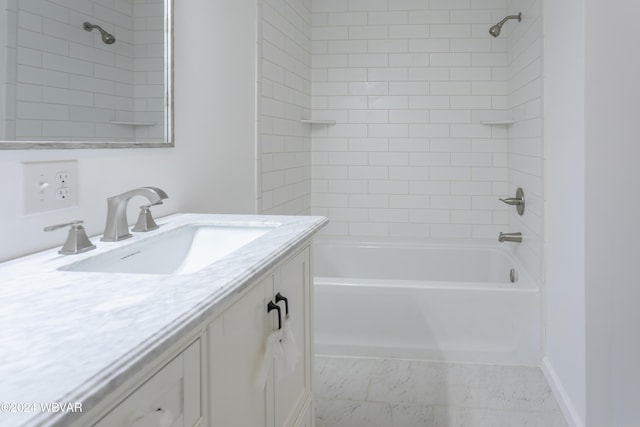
42,185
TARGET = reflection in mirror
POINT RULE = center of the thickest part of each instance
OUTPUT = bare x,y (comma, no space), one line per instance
85,73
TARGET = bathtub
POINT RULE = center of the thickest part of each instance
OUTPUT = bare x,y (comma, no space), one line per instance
432,301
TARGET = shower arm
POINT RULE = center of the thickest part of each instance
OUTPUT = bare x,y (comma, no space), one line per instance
518,17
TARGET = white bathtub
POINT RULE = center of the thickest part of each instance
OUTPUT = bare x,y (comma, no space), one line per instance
436,301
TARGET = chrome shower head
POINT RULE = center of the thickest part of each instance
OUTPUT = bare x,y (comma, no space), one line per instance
495,30
106,37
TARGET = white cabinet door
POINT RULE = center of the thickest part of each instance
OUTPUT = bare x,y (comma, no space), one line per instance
292,388
236,346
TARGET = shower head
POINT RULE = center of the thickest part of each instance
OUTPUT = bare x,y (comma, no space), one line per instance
106,37
495,30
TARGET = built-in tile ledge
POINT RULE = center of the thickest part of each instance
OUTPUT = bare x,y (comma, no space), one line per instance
499,122
117,122
318,122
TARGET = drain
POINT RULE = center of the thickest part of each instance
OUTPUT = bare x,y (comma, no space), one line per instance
513,275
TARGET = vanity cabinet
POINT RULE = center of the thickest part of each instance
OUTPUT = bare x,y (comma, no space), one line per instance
237,342
208,379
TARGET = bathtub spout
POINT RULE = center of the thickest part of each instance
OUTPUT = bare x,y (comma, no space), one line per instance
510,237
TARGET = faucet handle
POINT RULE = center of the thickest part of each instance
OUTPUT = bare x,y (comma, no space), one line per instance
77,240
517,201
66,224
145,219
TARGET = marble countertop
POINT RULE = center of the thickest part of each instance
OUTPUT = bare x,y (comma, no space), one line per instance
75,336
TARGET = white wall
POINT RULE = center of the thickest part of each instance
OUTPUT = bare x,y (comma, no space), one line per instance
612,176
591,111
564,361
211,169
284,144
408,83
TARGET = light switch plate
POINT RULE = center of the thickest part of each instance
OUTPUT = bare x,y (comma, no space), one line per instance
49,185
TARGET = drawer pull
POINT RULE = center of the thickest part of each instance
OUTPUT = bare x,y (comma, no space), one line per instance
157,418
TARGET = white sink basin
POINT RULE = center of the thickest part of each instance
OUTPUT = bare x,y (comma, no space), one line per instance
184,250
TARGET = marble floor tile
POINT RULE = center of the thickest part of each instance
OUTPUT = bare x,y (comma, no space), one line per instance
342,377
403,381
352,413
453,416
525,388
434,383
407,393
405,415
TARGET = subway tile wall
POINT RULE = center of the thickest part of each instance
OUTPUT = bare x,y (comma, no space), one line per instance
409,84
66,84
284,93
8,55
149,78
526,144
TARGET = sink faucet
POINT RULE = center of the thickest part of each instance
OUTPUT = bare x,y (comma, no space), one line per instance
510,237
117,227
77,241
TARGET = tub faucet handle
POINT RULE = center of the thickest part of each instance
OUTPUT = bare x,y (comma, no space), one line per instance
77,240
514,201
517,201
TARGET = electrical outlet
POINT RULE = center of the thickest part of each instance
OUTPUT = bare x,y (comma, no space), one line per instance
63,193
50,185
62,178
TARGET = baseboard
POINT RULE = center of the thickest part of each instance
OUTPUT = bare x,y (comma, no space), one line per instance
454,356
566,405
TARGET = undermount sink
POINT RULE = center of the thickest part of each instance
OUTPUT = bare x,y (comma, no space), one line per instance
184,250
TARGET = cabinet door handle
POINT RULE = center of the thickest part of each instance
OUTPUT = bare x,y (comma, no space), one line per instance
272,306
279,298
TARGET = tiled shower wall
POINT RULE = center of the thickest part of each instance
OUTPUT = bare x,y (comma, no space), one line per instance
284,98
148,69
409,83
526,146
8,55
66,84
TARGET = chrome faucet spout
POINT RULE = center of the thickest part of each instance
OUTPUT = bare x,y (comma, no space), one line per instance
117,226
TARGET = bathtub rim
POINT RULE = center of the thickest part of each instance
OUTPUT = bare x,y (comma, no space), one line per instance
427,243
426,284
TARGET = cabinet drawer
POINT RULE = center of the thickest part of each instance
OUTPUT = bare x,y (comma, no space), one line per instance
170,398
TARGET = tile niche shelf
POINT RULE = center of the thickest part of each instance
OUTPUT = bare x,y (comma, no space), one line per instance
118,122
318,122
497,122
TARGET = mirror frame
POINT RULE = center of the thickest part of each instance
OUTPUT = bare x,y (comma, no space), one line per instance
168,116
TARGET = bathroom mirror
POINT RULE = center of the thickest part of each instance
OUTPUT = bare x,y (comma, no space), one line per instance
86,74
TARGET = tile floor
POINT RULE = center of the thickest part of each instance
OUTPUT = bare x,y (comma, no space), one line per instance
361,392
